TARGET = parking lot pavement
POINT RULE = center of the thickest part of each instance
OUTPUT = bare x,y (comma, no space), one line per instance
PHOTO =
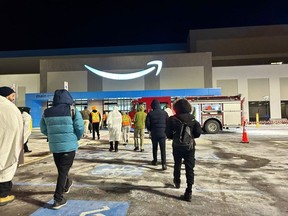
231,178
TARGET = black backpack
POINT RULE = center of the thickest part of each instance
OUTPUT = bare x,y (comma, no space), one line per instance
184,138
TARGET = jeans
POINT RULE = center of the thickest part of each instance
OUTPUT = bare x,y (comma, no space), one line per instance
63,162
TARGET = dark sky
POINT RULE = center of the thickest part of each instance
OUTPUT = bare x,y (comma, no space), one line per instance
53,24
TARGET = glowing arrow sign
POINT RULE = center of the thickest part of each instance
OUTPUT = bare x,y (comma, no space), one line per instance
128,76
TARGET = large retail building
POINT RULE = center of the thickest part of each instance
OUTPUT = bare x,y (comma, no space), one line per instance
251,61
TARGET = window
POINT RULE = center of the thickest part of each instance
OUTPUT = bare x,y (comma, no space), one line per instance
124,104
260,107
284,109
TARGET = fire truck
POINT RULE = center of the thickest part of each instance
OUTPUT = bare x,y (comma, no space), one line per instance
214,113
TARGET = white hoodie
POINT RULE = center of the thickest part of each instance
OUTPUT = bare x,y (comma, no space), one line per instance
27,125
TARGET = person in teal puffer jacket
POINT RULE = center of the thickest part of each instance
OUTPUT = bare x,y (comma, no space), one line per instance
64,126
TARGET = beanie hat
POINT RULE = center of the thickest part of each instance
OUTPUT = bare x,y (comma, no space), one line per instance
6,91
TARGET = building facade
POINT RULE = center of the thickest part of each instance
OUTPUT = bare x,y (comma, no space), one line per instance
237,60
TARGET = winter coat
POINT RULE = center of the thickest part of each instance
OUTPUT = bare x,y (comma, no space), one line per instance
11,139
139,118
156,120
114,123
85,114
63,127
174,126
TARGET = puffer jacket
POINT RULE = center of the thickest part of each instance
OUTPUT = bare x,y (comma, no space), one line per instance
174,126
62,129
156,120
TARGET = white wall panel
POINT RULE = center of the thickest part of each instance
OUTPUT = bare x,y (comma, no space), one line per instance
25,83
182,77
257,89
284,88
31,82
77,81
228,87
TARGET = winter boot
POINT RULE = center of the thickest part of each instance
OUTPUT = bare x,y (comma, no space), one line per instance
116,146
177,183
111,146
187,196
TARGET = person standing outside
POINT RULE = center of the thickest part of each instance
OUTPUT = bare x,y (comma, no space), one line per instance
85,115
114,123
64,126
104,120
168,110
95,119
27,119
126,126
156,125
11,143
183,114
139,127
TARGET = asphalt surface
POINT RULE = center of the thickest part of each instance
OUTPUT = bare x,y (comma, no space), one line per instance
231,178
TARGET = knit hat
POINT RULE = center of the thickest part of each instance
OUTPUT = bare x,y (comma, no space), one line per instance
6,91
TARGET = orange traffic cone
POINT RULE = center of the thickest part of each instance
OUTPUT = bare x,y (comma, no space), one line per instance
244,135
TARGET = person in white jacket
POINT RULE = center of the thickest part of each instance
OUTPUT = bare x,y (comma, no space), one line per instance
11,143
114,123
27,120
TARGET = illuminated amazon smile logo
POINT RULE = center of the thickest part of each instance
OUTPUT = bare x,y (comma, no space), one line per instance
128,76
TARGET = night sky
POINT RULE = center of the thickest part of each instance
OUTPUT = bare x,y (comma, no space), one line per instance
55,24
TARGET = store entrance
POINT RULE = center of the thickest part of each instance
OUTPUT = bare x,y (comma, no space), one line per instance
260,107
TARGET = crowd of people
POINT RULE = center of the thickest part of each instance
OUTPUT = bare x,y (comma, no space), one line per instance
63,118
162,124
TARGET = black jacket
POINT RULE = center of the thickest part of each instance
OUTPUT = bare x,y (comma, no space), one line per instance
156,120
174,126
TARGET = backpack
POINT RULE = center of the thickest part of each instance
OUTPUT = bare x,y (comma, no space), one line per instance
184,138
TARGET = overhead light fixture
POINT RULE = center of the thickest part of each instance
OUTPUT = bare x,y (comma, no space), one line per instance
276,63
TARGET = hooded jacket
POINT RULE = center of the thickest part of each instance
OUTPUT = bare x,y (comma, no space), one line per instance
63,127
114,123
139,118
156,120
183,110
